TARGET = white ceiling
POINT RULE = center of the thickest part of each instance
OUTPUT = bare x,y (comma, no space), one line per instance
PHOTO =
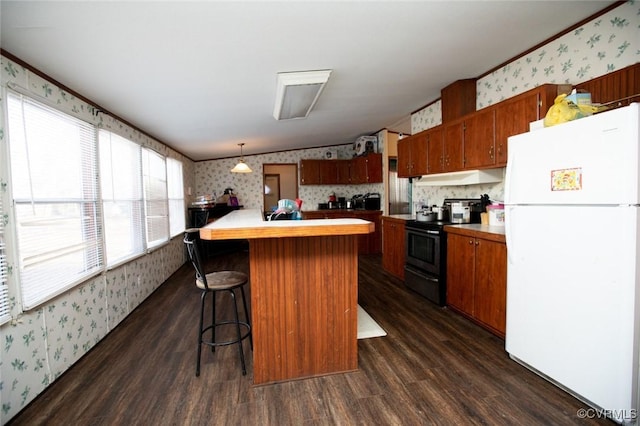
200,76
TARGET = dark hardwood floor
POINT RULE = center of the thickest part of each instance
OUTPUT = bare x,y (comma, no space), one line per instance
433,367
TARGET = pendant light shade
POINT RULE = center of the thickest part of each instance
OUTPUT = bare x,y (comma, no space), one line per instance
241,167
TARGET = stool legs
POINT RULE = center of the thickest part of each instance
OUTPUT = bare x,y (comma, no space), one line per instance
239,337
246,315
202,300
239,333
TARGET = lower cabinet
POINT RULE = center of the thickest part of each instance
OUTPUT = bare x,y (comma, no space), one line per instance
367,244
393,246
477,278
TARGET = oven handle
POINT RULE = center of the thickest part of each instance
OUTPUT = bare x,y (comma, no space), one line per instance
423,231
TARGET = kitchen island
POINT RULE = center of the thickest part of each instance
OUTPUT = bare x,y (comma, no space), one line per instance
304,291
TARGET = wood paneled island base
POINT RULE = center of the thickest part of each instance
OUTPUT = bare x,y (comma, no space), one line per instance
304,291
304,294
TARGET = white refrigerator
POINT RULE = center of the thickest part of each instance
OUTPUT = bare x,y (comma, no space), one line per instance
573,245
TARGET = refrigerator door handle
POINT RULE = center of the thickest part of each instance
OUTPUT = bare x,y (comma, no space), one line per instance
508,173
507,234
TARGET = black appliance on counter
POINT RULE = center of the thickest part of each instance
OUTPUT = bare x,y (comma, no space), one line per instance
368,201
425,270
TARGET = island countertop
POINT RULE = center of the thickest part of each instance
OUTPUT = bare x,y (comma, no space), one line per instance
249,224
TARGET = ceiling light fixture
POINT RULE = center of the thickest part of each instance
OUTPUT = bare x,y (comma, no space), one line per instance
298,92
241,167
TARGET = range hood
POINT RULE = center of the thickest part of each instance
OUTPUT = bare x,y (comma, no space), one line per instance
465,177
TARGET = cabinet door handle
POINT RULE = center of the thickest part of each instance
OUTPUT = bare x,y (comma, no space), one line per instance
477,243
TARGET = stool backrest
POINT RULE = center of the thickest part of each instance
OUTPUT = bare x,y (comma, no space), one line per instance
191,237
200,218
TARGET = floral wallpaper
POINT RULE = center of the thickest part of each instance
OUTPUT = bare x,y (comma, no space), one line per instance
605,44
39,345
213,176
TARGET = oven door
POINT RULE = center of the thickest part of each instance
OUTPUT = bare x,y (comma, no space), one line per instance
423,249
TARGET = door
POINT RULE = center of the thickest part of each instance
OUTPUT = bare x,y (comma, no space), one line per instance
460,272
479,140
435,151
592,160
491,284
571,297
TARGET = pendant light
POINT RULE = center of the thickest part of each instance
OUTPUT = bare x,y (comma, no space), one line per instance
241,167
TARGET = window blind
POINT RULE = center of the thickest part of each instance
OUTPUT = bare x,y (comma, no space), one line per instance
55,194
175,187
154,174
4,290
121,185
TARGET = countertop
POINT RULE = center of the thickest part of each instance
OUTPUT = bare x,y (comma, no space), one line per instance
494,233
342,211
249,224
465,229
399,216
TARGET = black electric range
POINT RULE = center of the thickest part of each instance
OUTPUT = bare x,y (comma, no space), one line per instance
426,251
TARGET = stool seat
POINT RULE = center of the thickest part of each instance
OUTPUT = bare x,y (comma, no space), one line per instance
222,280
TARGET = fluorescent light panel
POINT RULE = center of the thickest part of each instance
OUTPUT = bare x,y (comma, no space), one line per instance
298,92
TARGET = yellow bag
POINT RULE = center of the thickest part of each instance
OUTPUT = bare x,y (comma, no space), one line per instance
562,111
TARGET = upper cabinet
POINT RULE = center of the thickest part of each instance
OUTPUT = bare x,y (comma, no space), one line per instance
310,172
479,139
435,150
513,116
453,134
365,169
458,99
470,139
412,155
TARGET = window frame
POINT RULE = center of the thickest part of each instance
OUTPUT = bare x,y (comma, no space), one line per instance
154,205
58,228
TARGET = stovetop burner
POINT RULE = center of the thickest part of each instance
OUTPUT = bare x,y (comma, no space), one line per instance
434,224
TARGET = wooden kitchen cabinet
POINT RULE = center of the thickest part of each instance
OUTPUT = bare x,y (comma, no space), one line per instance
435,150
404,157
344,171
366,169
393,246
512,117
310,172
452,146
479,139
412,155
477,277
458,99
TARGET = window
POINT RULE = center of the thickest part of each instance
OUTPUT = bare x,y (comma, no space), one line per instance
154,174
4,290
176,197
55,194
122,204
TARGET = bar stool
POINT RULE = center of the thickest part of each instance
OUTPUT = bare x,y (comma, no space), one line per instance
212,283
